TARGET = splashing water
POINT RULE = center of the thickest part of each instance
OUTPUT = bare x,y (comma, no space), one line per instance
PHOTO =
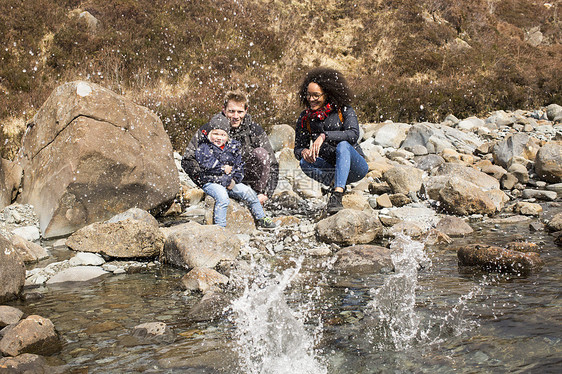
393,306
271,337
394,302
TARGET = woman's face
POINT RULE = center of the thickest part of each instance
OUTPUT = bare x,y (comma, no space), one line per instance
315,96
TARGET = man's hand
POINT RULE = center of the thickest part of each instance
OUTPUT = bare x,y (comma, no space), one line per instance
227,169
231,185
262,198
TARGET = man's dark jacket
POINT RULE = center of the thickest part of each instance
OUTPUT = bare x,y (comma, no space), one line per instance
249,134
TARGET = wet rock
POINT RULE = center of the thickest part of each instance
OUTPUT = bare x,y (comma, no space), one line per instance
203,279
151,332
523,247
34,334
10,177
29,251
122,239
516,145
27,363
238,217
436,237
77,274
89,153
210,307
492,258
86,259
548,163
12,271
555,223
410,229
463,198
192,245
364,259
281,136
9,315
404,179
454,226
558,238
349,227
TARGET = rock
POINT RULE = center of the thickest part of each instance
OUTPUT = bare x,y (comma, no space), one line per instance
400,199
539,194
391,134
90,21
492,258
555,223
26,363
424,217
522,247
86,259
411,229
239,220
494,170
203,279
508,181
454,226
548,162
210,307
468,173
527,209
404,179
281,136
463,198
192,245
518,144
135,214
9,315
77,274
557,187
554,112
10,177
470,123
12,271
356,201
520,172
152,332
89,154
426,163
121,239
364,259
349,227
34,334
29,251
383,201
30,233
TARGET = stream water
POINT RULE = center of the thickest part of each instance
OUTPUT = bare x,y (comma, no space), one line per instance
295,314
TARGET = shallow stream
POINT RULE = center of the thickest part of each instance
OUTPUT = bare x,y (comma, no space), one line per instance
294,314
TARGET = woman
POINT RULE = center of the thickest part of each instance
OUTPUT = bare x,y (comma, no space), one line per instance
334,158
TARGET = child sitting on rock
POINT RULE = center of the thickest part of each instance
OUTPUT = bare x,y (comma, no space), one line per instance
222,169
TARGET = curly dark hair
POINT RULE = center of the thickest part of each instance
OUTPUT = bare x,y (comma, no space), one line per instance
333,84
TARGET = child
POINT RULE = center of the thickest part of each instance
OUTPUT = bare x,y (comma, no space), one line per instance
222,170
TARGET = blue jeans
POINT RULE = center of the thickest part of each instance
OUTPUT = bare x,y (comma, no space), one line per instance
239,192
350,167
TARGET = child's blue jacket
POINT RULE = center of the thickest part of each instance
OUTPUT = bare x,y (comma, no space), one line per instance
212,160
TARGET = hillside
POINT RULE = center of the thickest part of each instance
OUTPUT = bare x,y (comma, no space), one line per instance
406,60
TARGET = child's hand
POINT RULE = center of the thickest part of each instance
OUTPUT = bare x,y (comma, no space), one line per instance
227,169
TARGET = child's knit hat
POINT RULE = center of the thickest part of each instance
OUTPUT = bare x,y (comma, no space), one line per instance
219,122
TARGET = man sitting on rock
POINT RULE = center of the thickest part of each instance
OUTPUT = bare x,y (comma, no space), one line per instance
261,170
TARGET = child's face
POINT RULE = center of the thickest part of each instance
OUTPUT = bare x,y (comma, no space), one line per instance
218,137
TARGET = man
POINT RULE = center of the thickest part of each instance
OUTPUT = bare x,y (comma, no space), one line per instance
261,169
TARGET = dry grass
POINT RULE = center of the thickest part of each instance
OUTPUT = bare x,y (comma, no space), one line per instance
407,61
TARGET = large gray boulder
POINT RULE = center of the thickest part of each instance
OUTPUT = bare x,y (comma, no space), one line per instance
554,112
89,154
12,271
404,179
516,145
548,163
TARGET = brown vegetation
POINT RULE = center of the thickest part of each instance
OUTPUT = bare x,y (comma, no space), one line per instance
407,61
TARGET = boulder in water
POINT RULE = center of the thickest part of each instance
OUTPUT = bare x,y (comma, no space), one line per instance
34,334
491,258
12,271
349,227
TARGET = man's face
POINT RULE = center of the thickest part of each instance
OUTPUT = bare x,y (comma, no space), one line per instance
235,113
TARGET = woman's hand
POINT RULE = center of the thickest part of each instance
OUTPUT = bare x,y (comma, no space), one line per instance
307,155
315,149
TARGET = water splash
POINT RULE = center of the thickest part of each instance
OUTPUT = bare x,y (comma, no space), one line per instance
394,303
271,337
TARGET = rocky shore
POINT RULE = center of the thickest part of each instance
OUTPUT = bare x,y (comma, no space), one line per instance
425,180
